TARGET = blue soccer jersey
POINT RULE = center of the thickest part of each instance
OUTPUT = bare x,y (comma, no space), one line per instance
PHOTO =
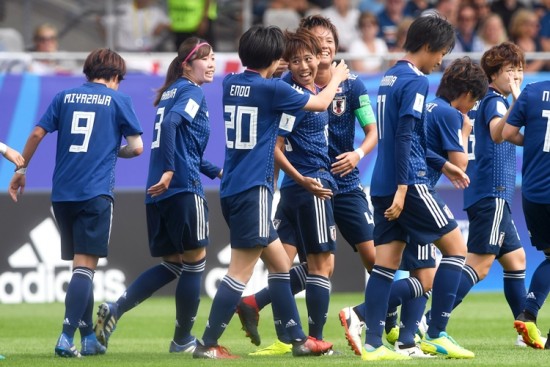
254,109
494,171
90,121
179,143
532,111
444,125
401,95
351,95
306,145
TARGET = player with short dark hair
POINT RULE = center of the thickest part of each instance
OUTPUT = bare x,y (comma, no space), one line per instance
531,112
405,207
255,108
90,121
351,212
176,209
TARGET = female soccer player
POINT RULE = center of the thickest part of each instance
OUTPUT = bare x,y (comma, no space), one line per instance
488,200
177,214
255,108
83,181
532,112
404,204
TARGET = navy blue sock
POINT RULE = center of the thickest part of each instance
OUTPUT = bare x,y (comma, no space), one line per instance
444,291
285,312
514,290
317,301
298,275
86,324
404,290
188,293
223,307
77,298
411,314
377,294
391,319
146,284
539,288
468,279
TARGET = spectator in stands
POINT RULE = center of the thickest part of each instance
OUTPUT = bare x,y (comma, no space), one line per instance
286,14
192,18
483,10
414,8
389,19
524,30
363,49
45,39
467,39
506,9
544,32
448,9
491,31
139,26
344,16
401,36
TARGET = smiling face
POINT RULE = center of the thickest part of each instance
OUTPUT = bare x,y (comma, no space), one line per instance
201,70
303,67
507,75
328,44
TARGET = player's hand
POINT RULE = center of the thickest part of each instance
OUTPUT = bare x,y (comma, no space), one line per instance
345,163
160,187
514,86
316,188
394,211
281,69
17,185
15,157
458,177
340,70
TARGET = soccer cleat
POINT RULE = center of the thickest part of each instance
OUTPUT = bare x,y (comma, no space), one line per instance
382,353
276,349
106,322
249,314
529,332
413,352
353,328
422,328
311,347
184,348
519,342
91,346
215,352
2,357
445,346
393,335
65,347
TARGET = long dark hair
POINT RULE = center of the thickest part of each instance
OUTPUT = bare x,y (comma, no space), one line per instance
187,52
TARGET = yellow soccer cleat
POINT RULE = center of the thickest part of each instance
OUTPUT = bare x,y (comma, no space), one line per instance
276,349
530,333
382,353
445,346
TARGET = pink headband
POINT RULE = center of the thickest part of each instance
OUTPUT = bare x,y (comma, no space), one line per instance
194,50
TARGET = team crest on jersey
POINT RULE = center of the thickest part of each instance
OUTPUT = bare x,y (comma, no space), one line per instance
501,239
339,105
333,232
276,223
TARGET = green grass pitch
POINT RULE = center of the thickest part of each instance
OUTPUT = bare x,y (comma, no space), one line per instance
28,332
